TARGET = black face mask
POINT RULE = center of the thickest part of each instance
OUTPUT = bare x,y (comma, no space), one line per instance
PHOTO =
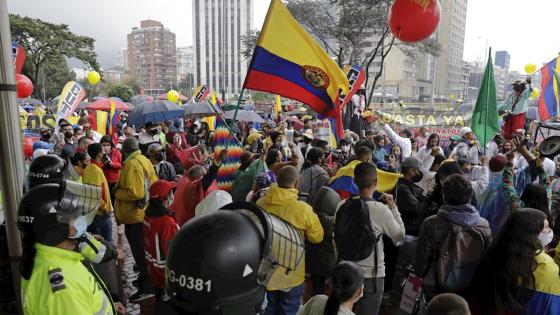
557,172
153,131
46,136
68,134
418,178
159,156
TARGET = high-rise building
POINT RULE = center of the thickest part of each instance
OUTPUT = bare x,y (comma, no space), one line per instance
152,57
502,59
185,61
451,36
217,29
121,60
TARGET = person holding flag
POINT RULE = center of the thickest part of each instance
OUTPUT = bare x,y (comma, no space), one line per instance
515,107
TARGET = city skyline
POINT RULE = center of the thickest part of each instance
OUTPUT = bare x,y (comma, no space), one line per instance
525,41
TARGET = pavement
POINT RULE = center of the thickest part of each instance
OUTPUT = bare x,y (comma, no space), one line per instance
144,307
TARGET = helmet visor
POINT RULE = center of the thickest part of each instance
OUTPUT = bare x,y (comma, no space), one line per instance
79,199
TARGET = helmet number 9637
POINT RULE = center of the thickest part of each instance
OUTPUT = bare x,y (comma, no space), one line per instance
191,283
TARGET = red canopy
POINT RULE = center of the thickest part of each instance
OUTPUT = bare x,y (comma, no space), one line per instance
105,104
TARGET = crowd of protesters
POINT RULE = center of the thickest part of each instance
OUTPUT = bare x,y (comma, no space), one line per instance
482,217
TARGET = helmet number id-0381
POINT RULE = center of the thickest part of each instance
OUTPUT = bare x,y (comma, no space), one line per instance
191,283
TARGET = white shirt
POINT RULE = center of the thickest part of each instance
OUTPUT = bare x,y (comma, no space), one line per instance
548,164
403,143
316,306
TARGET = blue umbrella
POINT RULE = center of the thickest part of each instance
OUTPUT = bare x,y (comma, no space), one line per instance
154,111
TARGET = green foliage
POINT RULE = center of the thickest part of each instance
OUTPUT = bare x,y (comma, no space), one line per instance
248,43
120,90
262,97
46,45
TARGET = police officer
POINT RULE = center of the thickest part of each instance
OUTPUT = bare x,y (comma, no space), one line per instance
51,168
221,263
56,278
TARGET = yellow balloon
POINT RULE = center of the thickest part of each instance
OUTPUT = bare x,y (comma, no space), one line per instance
535,93
93,77
452,97
173,96
530,68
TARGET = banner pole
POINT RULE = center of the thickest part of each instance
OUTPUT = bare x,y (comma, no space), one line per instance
235,114
488,65
227,125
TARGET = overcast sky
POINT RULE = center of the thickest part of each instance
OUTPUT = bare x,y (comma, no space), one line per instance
527,29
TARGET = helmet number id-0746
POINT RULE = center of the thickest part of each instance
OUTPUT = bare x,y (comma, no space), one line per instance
191,283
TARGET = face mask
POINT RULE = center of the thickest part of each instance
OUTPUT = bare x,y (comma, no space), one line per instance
170,199
545,238
345,148
159,156
153,131
68,134
417,178
46,137
80,224
557,172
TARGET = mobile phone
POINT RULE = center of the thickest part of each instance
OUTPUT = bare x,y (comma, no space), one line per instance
377,195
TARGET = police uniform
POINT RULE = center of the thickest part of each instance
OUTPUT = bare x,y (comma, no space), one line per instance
62,282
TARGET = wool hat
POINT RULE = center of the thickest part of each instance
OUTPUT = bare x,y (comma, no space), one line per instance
497,163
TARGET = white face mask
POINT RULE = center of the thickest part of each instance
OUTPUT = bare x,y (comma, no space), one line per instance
170,199
546,238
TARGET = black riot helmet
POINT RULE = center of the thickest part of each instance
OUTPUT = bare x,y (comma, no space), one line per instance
47,210
46,169
221,263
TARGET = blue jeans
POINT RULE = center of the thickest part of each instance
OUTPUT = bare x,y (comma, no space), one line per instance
373,295
284,303
102,225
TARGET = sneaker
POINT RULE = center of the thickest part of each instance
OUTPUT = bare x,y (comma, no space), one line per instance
140,295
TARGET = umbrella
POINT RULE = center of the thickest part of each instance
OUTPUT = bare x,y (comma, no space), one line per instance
154,111
105,104
30,101
83,105
199,110
139,99
295,122
182,97
244,115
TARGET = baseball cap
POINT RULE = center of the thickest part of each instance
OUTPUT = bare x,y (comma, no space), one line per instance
463,131
412,162
161,189
155,147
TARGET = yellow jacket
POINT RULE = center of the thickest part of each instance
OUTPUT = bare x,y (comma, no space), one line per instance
137,176
284,204
93,175
61,284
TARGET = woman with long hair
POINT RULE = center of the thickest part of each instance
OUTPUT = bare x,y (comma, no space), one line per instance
517,276
347,289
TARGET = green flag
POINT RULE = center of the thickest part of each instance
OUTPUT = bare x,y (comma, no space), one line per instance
485,116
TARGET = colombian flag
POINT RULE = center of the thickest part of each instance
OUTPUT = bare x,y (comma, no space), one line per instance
548,101
114,119
287,61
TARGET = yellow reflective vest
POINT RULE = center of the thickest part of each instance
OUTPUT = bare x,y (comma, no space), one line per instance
62,284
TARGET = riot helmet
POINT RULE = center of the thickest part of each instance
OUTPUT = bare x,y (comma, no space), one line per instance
46,169
46,210
221,263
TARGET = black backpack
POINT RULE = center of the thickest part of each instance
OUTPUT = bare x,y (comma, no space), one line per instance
354,236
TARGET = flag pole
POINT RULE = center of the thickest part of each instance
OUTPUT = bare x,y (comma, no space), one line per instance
222,118
487,100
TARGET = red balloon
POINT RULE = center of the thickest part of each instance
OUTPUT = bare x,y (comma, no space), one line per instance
28,147
24,86
414,20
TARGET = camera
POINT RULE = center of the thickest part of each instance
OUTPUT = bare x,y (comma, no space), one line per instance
106,158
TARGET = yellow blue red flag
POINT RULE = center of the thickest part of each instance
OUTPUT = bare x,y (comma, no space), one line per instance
549,100
289,62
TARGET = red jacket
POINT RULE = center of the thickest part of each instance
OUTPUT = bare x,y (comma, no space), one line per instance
159,228
190,193
112,173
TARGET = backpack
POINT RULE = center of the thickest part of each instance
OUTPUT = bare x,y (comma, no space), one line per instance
354,236
462,249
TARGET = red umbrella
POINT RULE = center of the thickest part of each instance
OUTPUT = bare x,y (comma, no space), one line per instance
105,104
182,97
295,122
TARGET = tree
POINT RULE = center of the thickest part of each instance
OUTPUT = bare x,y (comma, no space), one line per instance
262,97
46,43
120,90
53,76
248,43
353,31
